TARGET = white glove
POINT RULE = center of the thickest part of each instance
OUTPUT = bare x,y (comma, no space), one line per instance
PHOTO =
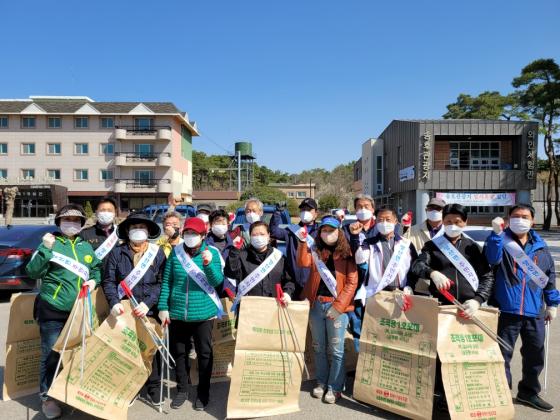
286,298
332,313
403,299
498,225
48,240
441,281
408,290
550,313
141,310
362,255
164,318
471,306
91,284
117,310
206,257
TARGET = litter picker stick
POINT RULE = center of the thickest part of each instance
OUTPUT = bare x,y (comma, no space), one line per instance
164,369
283,338
546,342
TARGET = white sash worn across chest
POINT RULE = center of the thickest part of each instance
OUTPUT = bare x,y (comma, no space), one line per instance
458,260
399,264
71,265
138,272
107,245
530,269
195,273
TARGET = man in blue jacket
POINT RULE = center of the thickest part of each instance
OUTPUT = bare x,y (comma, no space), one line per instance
525,292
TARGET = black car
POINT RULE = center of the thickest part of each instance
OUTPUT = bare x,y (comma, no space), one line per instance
17,244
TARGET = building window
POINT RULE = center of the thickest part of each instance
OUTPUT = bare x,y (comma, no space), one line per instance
485,210
54,122
144,150
144,176
28,174
28,148
474,155
81,174
3,174
379,170
107,122
143,123
53,174
291,194
105,175
107,149
3,121
27,122
53,149
3,148
301,194
81,149
81,122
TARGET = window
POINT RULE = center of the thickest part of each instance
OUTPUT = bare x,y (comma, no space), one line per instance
105,175
27,122
28,148
143,123
484,210
28,174
107,149
3,121
81,174
144,176
54,122
81,122
3,148
474,155
53,149
107,122
81,149
291,194
144,150
3,174
301,194
53,174
379,170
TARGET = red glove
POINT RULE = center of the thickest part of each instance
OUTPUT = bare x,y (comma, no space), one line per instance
206,256
231,217
407,219
238,242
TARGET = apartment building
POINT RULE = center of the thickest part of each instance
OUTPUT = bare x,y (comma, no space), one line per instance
139,152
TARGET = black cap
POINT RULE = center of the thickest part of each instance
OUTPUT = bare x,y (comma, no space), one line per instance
308,202
153,228
205,207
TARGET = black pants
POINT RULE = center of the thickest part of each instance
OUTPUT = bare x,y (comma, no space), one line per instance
180,336
531,331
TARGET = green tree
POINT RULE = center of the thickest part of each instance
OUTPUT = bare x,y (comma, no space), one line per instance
88,209
267,195
329,201
487,106
293,207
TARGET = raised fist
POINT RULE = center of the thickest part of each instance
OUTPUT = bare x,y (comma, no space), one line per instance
48,240
498,225
356,228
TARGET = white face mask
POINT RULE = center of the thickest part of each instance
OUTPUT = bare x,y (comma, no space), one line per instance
519,225
453,230
435,216
364,214
306,217
203,217
219,230
70,228
105,217
259,241
330,238
385,228
138,235
192,240
252,217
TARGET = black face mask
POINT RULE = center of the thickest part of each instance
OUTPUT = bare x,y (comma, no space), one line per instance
175,234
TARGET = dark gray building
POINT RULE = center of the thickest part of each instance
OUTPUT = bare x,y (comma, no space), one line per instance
485,165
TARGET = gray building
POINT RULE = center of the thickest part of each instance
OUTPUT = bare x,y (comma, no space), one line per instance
485,165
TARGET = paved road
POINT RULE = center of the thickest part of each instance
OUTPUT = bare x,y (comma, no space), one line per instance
28,408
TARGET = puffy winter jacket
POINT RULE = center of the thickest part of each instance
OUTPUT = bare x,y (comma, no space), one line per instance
514,292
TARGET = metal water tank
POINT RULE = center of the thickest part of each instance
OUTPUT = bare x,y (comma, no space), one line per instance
245,148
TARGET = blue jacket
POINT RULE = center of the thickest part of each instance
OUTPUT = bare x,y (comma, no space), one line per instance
513,292
211,240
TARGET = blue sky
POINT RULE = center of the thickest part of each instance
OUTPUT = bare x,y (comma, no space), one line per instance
306,81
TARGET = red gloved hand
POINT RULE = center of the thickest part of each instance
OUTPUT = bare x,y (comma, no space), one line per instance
238,242
407,219
206,256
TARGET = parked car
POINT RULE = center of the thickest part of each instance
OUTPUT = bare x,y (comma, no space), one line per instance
479,234
17,244
155,211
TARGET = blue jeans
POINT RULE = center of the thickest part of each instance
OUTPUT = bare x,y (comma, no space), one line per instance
50,331
355,324
328,335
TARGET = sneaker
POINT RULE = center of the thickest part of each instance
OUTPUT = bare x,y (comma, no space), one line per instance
536,402
318,391
200,405
331,396
51,409
154,399
178,400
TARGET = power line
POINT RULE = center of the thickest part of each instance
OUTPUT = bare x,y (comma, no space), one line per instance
229,152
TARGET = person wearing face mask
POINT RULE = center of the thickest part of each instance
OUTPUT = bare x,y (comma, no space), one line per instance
527,299
188,303
219,233
59,289
203,213
171,232
140,264
290,234
103,236
331,287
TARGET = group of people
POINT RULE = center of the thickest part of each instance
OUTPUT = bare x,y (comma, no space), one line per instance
179,277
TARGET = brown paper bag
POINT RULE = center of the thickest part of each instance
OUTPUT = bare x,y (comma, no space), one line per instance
267,371
118,361
23,349
397,360
472,367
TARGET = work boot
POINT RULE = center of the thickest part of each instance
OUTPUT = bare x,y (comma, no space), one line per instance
51,409
154,399
179,399
536,402
318,391
331,396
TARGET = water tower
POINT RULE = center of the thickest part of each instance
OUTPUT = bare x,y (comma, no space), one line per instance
244,159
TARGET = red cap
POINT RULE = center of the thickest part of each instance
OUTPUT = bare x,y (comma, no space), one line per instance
196,224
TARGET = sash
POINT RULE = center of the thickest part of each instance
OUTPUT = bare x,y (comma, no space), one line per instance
397,264
138,272
531,269
199,277
256,276
107,245
457,259
71,265
227,281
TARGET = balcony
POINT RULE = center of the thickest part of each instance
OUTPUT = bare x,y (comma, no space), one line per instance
142,159
156,132
143,185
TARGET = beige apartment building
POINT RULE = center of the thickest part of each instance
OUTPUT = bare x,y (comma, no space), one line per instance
138,152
